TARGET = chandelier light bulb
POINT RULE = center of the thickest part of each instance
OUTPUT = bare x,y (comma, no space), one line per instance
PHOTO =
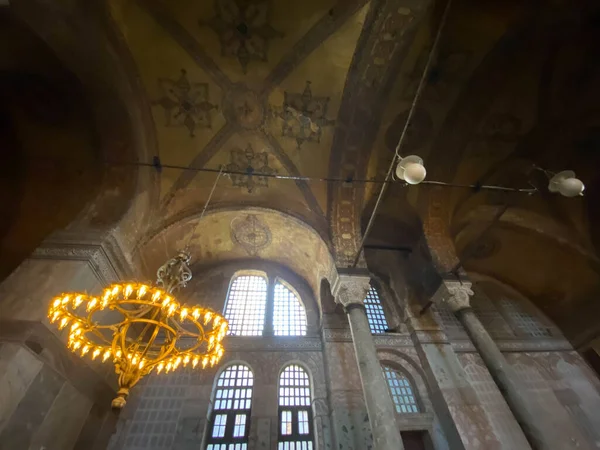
411,169
566,184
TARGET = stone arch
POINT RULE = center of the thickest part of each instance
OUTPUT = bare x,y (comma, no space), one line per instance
516,304
406,365
222,235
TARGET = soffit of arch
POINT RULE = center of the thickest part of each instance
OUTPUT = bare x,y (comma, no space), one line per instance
91,47
243,235
494,99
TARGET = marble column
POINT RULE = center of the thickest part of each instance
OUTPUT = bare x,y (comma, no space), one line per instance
350,291
524,409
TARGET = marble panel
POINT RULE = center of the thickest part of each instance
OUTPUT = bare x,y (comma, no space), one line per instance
64,421
91,428
18,368
31,410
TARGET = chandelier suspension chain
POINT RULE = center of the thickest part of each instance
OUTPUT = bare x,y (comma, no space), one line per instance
411,112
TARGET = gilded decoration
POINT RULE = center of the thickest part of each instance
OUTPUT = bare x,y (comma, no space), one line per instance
249,161
303,116
186,104
250,233
243,29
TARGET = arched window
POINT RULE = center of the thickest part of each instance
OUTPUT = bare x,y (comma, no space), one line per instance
401,391
375,312
230,417
246,304
289,316
254,298
295,415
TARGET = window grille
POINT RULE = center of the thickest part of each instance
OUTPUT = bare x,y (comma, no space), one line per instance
230,417
246,305
524,322
289,316
402,392
295,414
375,313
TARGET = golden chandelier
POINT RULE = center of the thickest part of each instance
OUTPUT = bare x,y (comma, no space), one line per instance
142,328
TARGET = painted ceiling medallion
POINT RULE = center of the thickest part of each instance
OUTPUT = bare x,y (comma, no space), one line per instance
243,29
243,107
250,233
254,165
186,104
304,116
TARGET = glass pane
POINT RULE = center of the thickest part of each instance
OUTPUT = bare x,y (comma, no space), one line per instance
289,316
375,314
403,397
245,307
239,428
291,380
234,383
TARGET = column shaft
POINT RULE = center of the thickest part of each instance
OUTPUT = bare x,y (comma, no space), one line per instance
503,374
380,407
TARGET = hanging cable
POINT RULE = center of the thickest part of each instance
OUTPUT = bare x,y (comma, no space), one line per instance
187,245
411,112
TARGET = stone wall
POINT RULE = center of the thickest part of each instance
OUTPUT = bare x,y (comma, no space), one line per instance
49,398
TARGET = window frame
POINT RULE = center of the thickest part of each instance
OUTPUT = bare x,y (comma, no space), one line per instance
373,287
295,436
268,329
278,280
228,439
414,392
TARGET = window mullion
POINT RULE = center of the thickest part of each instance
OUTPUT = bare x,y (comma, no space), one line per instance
268,329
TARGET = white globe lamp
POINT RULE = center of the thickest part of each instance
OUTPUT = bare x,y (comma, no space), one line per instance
411,169
566,184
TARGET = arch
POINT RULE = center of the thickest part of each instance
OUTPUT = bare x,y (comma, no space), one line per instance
376,316
524,318
229,421
404,392
289,311
294,399
408,366
91,46
246,303
285,240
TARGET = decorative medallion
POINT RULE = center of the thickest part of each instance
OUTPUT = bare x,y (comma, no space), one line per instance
303,116
243,29
250,233
243,106
186,104
254,165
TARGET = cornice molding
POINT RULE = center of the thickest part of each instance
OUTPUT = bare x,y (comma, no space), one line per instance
101,251
542,345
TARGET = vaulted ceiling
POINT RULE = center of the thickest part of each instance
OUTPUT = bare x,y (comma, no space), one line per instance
322,89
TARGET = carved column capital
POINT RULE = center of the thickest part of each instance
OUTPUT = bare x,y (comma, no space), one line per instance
351,287
459,295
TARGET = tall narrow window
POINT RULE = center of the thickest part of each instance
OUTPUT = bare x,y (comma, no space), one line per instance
295,415
375,312
230,418
402,391
246,304
289,316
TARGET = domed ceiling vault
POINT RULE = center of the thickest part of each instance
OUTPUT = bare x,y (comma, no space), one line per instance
514,84
289,88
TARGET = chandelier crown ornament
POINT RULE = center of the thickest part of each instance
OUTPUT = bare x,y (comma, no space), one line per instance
142,328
